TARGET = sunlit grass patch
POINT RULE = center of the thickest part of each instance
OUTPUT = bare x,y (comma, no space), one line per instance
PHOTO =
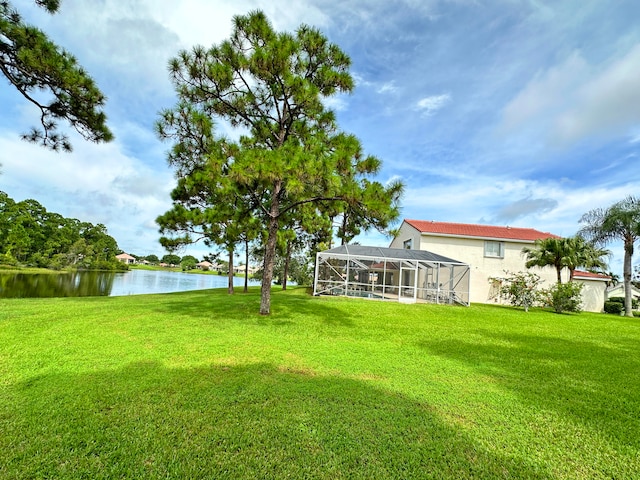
197,384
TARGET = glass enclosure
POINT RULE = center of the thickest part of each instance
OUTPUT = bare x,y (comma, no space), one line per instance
391,274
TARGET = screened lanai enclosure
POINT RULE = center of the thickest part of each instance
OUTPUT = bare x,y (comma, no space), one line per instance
391,274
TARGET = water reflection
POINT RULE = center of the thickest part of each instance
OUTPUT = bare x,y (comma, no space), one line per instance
79,284
82,284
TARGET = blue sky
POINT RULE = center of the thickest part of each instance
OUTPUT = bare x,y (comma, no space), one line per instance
503,112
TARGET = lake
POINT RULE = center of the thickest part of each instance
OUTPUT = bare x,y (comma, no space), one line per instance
83,284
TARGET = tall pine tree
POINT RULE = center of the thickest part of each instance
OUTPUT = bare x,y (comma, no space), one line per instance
271,87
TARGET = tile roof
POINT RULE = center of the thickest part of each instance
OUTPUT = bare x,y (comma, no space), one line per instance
597,276
482,231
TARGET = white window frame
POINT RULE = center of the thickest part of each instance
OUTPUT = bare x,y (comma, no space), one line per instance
490,252
407,244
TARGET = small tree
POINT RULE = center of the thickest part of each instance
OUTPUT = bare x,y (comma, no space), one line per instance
171,259
520,289
548,252
564,297
188,262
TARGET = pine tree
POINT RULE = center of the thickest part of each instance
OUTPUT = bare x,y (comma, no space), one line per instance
33,64
271,86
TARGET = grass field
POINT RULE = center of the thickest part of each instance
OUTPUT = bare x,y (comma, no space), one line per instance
197,385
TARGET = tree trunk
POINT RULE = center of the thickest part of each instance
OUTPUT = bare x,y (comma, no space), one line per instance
270,251
559,273
230,276
246,266
286,266
628,254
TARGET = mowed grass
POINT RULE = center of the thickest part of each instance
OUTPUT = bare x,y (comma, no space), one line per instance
198,385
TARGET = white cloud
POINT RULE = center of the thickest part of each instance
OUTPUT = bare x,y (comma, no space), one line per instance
607,102
575,100
337,102
388,87
430,105
547,91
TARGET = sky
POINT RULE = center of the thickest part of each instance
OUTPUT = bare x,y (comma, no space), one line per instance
503,112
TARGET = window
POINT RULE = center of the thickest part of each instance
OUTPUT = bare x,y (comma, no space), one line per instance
494,249
407,244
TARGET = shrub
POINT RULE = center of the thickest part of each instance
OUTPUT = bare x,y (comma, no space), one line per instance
520,289
7,259
564,297
634,301
613,307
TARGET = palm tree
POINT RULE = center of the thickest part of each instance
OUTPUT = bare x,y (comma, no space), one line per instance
548,252
584,254
615,279
621,221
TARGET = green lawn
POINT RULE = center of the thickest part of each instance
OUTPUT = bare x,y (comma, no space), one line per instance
197,385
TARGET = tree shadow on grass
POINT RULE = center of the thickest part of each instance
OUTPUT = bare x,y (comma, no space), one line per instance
592,384
252,421
285,307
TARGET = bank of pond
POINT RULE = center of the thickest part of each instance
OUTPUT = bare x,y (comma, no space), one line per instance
92,283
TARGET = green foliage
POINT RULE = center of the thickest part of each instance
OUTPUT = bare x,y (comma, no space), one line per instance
634,301
33,65
171,259
31,236
300,269
188,262
571,253
565,297
6,259
291,170
520,289
614,307
619,222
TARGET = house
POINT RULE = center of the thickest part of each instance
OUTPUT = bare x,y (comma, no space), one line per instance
126,258
491,251
618,291
240,270
204,265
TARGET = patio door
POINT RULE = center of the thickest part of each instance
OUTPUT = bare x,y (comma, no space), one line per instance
408,272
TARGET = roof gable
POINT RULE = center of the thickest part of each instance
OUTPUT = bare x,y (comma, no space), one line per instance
479,231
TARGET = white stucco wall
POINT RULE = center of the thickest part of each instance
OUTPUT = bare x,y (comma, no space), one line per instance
593,294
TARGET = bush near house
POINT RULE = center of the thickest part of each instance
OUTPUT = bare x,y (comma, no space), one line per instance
634,301
564,297
613,307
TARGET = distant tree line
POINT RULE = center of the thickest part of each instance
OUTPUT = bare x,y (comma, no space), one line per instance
32,236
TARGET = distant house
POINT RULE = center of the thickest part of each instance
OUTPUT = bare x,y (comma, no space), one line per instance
618,291
490,251
204,265
240,269
126,258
